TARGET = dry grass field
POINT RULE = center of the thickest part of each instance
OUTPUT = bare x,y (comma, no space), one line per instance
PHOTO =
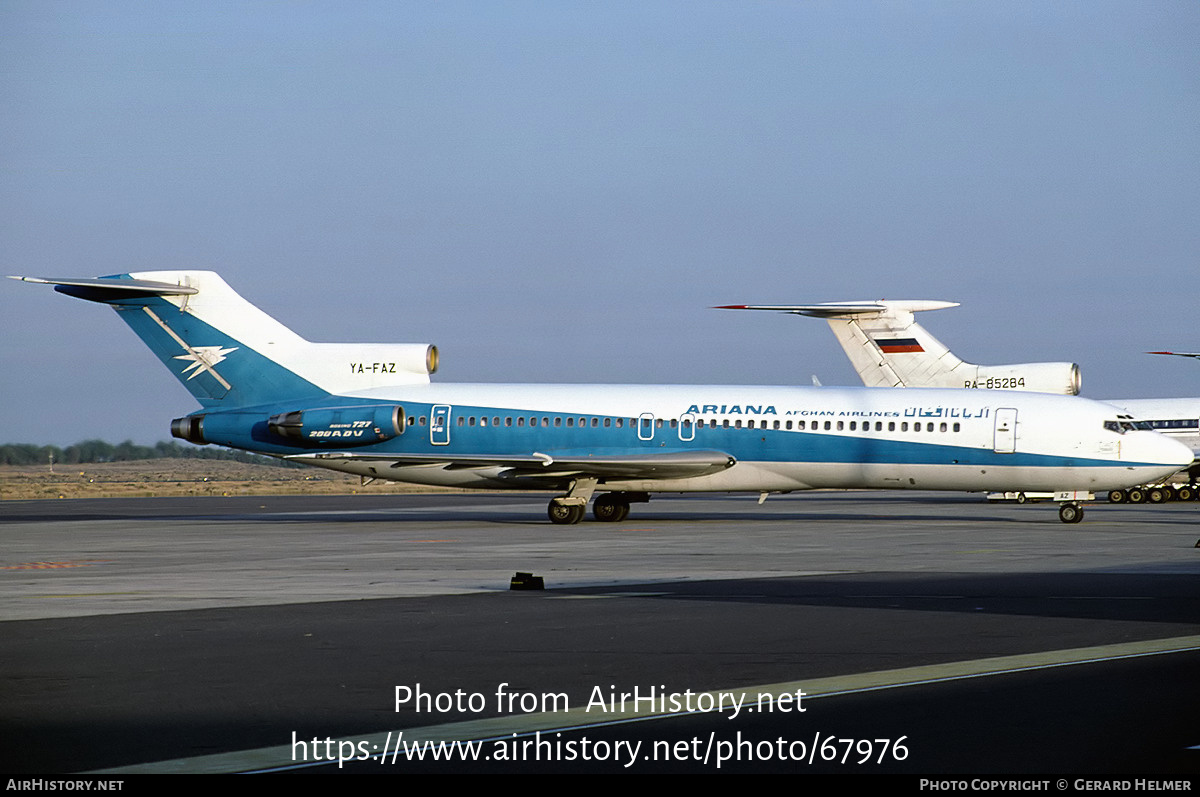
169,477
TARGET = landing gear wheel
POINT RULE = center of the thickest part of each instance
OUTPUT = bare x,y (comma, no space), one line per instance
1137,495
1157,495
565,514
1184,493
1117,496
1070,513
610,509
1021,498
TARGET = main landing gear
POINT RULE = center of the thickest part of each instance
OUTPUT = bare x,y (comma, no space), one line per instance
610,508
569,509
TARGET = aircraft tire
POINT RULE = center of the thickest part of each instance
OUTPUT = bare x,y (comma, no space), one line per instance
1137,495
565,514
1117,496
1156,495
609,509
1070,513
1184,493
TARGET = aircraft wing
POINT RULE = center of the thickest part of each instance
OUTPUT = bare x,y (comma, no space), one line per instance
658,465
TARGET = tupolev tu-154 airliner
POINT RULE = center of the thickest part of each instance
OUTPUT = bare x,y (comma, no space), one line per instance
370,409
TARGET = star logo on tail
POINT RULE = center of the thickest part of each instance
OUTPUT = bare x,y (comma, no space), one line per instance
204,358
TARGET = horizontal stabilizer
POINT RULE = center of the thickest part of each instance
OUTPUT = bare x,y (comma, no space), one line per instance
110,289
1178,353
837,309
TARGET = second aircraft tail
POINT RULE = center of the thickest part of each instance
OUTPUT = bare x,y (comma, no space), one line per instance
888,348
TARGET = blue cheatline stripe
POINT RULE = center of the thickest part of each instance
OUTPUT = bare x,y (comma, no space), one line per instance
750,445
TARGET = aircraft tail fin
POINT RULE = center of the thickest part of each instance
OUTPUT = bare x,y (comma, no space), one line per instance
229,353
888,348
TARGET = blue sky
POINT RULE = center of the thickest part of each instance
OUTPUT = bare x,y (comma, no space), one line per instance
559,191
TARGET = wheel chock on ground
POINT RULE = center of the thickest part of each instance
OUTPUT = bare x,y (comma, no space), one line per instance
526,581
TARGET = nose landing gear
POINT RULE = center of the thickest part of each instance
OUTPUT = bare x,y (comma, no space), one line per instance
1070,512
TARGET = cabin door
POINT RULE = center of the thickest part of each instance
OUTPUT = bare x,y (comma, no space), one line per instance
439,424
1006,431
646,426
687,427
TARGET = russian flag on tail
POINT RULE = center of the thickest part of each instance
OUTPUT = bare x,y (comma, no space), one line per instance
898,345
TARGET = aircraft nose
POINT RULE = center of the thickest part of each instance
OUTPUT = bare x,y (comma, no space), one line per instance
1160,449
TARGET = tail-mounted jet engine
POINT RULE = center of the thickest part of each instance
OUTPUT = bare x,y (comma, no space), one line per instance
335,426
340,426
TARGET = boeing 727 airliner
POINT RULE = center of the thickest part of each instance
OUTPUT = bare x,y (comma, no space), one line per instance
371,410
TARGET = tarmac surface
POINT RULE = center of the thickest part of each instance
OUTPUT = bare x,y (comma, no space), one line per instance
835,631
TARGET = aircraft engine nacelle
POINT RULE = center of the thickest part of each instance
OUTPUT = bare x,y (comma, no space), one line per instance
189,428
343,427
237,429
340,426
1063,378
